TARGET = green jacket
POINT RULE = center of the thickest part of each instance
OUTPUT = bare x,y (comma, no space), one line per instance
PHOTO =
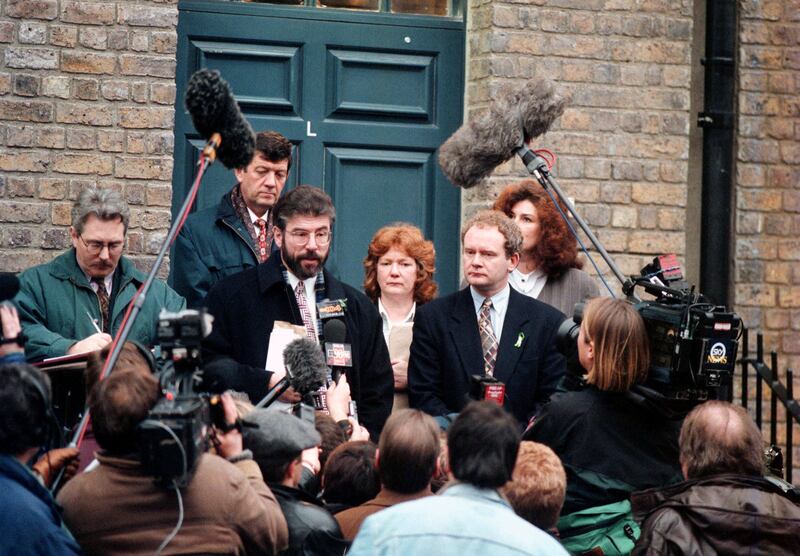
55,297
213,244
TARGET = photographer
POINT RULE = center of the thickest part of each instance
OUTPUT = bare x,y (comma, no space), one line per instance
30,522
609,444
228,508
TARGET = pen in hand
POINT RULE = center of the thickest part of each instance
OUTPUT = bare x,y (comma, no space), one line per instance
94,322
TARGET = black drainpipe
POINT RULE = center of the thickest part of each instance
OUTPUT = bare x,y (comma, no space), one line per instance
718,123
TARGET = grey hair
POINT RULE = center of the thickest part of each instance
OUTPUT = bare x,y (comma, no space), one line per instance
509,229
106,204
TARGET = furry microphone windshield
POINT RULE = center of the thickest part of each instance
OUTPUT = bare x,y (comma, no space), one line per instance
514,118
213,109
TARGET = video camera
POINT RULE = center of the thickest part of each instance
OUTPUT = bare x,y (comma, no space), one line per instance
693,343
175,433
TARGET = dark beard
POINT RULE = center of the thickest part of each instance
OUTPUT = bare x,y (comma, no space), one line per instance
294,266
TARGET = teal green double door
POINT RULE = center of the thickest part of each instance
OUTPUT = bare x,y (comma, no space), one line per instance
367,99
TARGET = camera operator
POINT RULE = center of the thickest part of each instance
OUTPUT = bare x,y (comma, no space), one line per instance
228,508
609,444
29,522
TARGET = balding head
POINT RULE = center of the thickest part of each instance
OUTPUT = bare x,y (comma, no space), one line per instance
719,437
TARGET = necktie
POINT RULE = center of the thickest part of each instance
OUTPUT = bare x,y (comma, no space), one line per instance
102,297
300,295
262,240
488,340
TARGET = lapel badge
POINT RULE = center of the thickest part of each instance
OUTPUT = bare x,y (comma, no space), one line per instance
520,338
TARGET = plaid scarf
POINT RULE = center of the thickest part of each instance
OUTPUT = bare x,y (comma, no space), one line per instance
241,211
319,289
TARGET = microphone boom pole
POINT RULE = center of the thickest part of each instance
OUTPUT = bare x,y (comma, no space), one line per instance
538,168
207,157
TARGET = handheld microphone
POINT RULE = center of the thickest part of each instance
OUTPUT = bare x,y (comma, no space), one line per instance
338,353
305,371
493,137
213,109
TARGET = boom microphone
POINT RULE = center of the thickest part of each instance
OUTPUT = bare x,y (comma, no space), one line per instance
213,109
305,360
514,118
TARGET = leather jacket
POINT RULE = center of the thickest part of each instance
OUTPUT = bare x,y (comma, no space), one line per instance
720,514
312,529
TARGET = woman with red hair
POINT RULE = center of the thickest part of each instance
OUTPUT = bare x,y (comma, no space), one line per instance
398,275
549,269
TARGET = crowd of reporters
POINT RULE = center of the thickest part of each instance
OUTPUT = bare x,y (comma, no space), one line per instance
588,468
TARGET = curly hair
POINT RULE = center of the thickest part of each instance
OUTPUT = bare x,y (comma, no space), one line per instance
408,238
557,251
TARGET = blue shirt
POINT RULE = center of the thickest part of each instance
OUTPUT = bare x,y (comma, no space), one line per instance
497,313
462,521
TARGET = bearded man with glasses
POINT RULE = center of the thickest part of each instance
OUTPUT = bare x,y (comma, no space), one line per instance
76,302
288,289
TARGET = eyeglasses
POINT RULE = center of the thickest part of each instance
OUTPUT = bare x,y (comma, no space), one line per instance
301,237
96,247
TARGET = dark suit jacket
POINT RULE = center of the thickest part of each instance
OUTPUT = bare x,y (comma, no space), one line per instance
446,351
245,307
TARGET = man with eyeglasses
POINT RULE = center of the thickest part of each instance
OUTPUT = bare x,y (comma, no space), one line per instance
76,302
288,288
236,233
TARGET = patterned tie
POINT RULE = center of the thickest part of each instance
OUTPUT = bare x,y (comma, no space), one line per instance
488,340
300,295
262,240
102,297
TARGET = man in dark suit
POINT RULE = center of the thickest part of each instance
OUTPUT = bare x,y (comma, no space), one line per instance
485,329
288,288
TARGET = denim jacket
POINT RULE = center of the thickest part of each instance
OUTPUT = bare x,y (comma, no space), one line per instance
463,520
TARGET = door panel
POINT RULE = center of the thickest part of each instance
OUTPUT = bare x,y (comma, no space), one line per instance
367,103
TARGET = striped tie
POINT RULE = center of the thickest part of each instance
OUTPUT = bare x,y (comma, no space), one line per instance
488,339
102,298
300,295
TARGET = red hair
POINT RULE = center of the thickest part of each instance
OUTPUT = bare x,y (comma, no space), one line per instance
408,238
556,251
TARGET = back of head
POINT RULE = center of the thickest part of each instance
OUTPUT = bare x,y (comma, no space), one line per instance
482,444
408,450
539,485
621,345
331,434
303,200
719,437
24,406
277,440
106,204
118,403
131,358
350,476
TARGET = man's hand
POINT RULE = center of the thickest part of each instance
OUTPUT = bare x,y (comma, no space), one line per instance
310,459
400,370
230,443
338,397
10,327
51,463
95,342
290,396
359,432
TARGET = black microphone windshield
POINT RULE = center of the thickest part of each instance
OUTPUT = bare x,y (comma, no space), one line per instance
492,137
307,364
335,331
9,285
213,109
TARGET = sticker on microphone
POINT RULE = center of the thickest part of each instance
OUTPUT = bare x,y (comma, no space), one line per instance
332,308
338,355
